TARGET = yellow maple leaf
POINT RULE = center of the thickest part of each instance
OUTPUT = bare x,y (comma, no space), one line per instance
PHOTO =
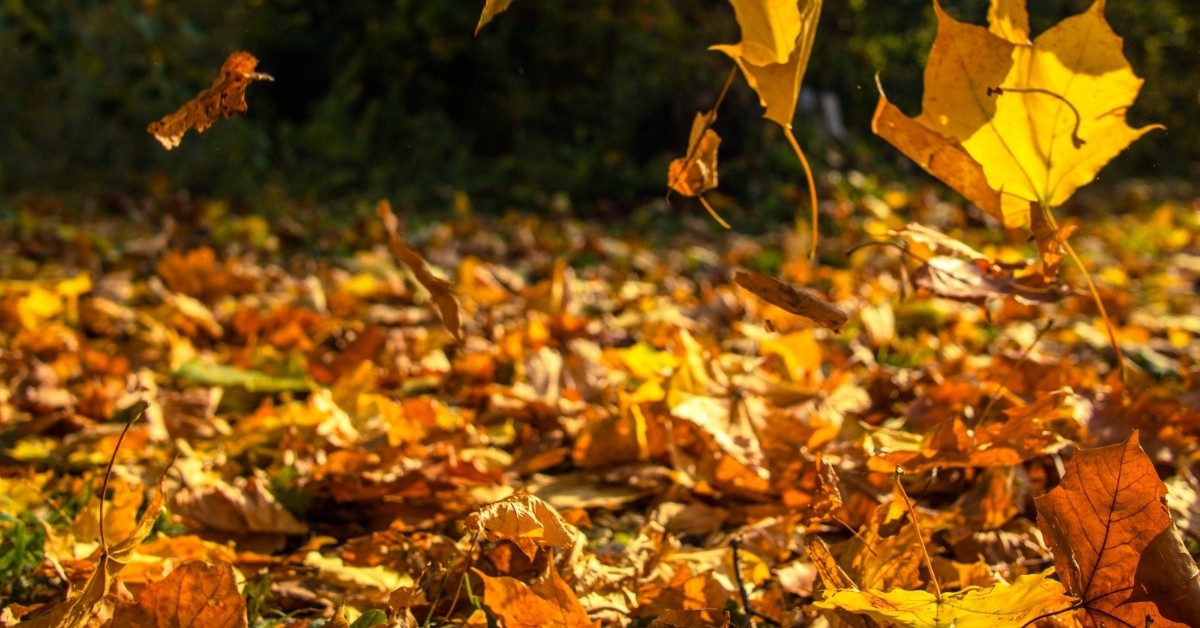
1009,123
998,605
777,39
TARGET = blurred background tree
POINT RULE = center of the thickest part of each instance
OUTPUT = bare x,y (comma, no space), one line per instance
553,104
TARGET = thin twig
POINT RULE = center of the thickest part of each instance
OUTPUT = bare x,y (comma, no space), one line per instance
135,411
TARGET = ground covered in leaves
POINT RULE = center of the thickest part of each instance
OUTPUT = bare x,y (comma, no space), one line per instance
622,436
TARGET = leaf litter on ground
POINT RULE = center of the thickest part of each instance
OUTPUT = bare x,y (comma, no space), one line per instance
628,386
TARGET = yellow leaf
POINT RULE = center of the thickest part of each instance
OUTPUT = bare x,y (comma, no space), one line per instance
490,10
1039,119
773,67
769,29
999,605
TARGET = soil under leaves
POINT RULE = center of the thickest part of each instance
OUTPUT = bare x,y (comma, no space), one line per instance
328,448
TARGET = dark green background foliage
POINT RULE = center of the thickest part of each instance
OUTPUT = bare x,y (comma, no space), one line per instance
397,98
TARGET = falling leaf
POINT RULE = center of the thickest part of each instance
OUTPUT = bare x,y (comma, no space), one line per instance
794,299
696,173
1037,120
226,97
439,289
1114,544
777,39
1013,604
525,520
491,9
194,594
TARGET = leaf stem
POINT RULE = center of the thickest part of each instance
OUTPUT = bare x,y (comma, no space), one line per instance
812,187
1077,141
1112,332
912,511
135,412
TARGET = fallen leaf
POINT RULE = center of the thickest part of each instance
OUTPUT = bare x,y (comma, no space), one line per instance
1114,544
194,594
794,299
1013,604
440,290
549,602
226,97
525,520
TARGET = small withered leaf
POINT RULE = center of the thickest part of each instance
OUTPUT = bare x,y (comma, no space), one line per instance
794,299
226,97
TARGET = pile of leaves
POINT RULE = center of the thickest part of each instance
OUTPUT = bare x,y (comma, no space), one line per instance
622,435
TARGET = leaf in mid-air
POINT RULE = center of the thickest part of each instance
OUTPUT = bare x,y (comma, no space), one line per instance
777,40
696,173
226,97
1008,122
491,9
1114,543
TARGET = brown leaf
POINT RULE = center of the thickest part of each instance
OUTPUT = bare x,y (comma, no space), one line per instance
696,173
195,594
439,289
226,97
1114,543
794,299
702,618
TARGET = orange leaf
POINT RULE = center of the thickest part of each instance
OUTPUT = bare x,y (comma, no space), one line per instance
195,594
1114,543
548,603
226,97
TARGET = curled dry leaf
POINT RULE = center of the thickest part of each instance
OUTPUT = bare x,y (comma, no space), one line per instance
195,594
1114,543
794,299
696,173
226,97
525,520
440,290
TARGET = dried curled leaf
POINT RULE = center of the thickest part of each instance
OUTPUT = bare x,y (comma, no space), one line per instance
797,300
194,594
1114,543
439,289
696,173
226,97
525,520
